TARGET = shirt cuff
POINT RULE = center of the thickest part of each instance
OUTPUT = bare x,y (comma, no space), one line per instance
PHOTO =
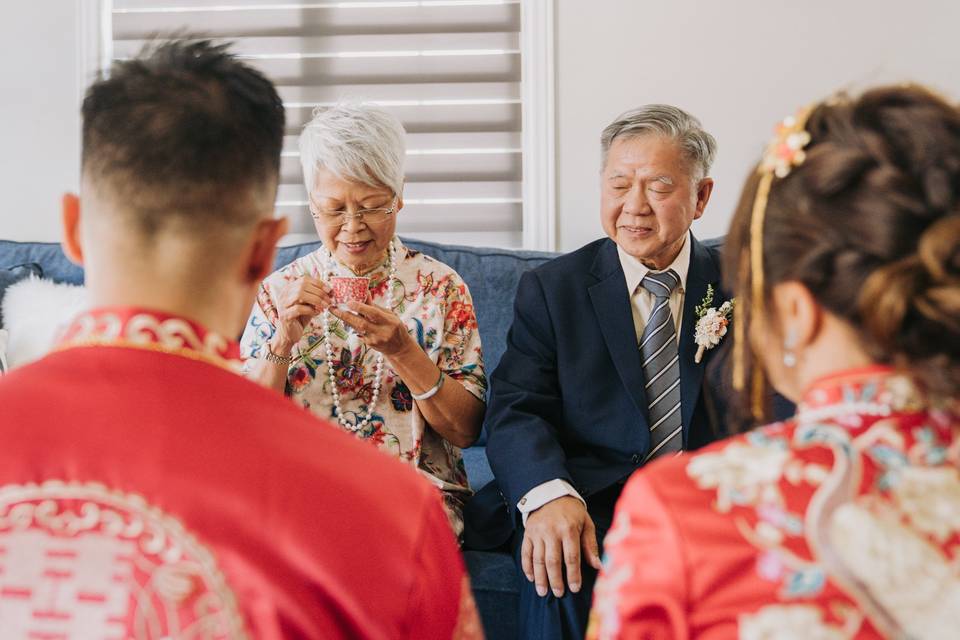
544,493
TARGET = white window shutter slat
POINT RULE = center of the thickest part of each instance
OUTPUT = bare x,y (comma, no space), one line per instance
448,69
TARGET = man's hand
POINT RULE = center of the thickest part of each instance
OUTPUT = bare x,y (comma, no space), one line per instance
555,536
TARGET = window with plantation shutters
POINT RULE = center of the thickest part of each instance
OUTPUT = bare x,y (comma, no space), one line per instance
449,69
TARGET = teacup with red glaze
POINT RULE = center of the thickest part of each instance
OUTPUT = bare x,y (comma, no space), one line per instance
350,289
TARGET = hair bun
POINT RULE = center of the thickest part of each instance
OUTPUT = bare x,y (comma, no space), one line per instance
939,257
939,250
927,281
911,308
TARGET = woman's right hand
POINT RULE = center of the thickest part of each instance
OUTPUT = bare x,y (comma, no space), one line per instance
298,303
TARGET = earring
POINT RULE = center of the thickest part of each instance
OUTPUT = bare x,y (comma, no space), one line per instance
789,357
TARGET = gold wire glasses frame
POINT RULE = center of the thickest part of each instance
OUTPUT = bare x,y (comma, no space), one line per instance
337,218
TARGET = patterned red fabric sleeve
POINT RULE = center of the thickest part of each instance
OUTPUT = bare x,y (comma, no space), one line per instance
641,590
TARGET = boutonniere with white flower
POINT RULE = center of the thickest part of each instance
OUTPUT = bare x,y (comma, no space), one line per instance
712,323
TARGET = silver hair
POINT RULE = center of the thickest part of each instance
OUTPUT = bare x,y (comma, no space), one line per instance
355,141
698,146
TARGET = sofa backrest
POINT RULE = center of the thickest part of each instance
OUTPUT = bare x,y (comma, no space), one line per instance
491,274
48,255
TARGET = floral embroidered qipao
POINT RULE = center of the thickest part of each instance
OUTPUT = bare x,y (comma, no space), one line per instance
842,523
436,307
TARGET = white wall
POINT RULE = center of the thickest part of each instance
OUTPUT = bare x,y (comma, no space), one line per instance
39,115
739,66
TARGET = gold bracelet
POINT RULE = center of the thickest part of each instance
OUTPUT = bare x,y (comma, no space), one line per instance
270,356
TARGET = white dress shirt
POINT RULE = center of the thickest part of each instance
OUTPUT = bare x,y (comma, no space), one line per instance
641,303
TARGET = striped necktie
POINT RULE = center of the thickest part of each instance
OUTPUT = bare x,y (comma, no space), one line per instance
661,367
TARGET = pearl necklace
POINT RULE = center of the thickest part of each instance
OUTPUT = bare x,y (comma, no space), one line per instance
378,376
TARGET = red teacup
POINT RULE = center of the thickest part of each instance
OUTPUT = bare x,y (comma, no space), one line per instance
350,289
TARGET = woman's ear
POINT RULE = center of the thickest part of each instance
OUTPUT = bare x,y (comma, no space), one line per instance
70,221
799,317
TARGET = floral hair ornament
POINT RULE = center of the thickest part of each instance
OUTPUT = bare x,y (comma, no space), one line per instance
783,154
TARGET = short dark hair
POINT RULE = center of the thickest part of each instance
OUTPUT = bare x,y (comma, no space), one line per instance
184,132
870,224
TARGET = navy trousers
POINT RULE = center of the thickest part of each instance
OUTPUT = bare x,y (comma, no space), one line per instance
563,618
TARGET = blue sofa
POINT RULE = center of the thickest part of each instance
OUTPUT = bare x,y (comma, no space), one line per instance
492,275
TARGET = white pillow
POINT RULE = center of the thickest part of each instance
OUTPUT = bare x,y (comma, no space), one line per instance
34,312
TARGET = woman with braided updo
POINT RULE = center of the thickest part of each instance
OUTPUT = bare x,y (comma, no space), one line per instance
843,522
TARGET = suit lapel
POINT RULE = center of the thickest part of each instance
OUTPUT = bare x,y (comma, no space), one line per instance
703,271
611,303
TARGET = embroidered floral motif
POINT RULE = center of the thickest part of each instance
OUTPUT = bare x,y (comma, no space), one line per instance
401,398
299,377
797,622
930,498
911,579
742,474
461,316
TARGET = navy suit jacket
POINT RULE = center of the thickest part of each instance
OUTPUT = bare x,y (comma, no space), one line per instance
567,398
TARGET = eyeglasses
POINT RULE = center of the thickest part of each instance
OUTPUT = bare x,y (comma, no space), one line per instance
339,217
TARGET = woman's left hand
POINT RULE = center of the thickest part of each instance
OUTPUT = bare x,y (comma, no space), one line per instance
377,328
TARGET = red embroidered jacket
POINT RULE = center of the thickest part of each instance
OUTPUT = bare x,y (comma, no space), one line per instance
147,490
842,523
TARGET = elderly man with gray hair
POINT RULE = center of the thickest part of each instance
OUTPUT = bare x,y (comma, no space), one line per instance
377,338
601,374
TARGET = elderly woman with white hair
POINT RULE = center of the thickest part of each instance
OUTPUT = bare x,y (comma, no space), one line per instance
400,363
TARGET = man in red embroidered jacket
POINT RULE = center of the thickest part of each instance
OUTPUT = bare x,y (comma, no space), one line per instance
148,491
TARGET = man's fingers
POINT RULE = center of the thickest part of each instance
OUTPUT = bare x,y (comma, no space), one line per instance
526,557
553,553
588,540
539,568
571,559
